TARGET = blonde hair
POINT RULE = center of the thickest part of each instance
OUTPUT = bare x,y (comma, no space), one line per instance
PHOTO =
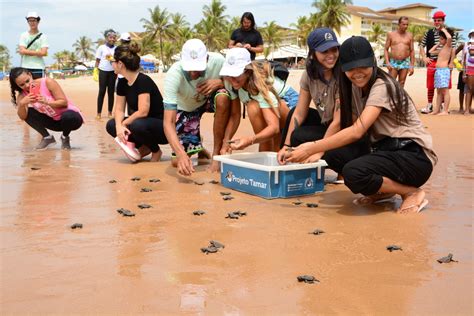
260,80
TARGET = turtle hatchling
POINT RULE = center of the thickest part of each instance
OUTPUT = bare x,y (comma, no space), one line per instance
136,179
154,180
216,244
232,215
125,212
214,182
447,259
227,197
312,205
199,213
317,232
297,202
76,225
198,182
113,181
210,249
393,248
225,193
307,279
144,205
146,190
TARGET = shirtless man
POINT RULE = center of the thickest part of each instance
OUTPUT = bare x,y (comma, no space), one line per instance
402,59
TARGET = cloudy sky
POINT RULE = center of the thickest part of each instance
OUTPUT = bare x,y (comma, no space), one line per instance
64,21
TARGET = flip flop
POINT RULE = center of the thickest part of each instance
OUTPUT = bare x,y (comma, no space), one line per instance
419,207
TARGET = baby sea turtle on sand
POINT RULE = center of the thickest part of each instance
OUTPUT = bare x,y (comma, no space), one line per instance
199,213
447,259
225,193
210,249
214,182
146,190
144,205
232,215
35,168
307,279
236,214
125,212
136,179
317,232
393,248
297,202
154,180
198,182
216,244
76,225
312,205
227,197
113,181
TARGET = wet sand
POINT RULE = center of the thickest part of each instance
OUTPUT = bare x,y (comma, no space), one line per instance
152,263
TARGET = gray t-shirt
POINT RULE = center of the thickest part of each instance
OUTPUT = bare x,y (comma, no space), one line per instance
325,96
387,125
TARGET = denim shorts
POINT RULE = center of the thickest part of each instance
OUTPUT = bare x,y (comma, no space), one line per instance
291,97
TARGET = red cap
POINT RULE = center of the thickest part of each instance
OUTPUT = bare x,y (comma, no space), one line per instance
439,15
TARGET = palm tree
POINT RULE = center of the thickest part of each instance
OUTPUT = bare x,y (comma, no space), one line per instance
377,34
83,47
418,31
271,34
148,45
4,58
157,25
215,13
332,14
304,25
212,36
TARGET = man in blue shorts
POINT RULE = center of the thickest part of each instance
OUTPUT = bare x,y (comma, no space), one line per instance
193,87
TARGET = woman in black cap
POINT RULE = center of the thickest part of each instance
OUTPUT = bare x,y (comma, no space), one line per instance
319,83
373,103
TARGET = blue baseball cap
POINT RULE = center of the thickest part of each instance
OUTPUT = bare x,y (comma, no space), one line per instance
322,39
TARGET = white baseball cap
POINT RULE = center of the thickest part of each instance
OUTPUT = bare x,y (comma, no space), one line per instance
125,37
32,14
470,32
235,61
194,55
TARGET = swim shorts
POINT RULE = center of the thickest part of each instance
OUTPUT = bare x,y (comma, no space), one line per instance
400,64
442,78
188,124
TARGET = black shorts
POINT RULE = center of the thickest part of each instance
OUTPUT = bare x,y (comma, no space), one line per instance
460,82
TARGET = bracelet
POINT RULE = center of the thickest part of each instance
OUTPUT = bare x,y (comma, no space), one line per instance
286,145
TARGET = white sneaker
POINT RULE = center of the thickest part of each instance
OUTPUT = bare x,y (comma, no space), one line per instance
129,150
427,109
46,142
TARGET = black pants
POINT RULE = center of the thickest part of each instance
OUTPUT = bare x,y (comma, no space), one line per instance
70,121
309,130
146,131
106,83
409,166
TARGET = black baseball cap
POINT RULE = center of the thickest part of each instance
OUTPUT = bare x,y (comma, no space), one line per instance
356,52
322,39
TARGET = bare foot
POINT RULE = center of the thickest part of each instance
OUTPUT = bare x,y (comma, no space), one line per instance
434,113
467,113
443,113
371,199
413,202
156,156
215,166
204,154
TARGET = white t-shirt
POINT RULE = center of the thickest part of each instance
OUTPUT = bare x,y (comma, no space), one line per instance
102,52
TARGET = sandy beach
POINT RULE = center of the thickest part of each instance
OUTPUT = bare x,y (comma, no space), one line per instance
152,263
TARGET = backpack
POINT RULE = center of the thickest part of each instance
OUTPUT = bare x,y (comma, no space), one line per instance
279,70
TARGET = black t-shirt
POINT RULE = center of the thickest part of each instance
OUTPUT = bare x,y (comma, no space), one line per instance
143,84
251,37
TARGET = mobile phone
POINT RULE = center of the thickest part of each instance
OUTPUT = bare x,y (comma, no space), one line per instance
35,89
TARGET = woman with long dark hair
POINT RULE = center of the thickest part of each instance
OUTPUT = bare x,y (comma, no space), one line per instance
319,83
42,104
373,103
141,132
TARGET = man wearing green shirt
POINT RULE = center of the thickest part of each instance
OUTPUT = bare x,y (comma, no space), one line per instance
33,46
193,87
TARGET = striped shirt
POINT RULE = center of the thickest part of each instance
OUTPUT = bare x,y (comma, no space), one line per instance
425,42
